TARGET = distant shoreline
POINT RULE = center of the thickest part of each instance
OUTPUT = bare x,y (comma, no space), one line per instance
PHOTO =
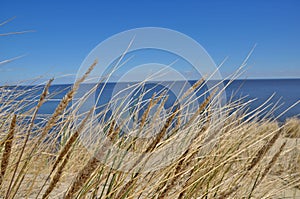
225,80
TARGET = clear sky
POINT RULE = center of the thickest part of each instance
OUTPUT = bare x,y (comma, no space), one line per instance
66,31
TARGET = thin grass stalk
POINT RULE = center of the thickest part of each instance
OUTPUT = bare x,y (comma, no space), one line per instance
162,132
180,164
223,176
87,170
254,185
226,194
193,88
7,148
158,138
99,180
112,135
260,154
193,176
40,103
71,141
58,111
66,149
200,109
6,21
146,113
63,104
57,176
271,163
127,187
82,177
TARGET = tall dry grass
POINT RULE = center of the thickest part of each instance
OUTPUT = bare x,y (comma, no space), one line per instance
250,157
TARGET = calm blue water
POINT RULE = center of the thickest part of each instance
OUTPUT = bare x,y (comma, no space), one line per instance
286,90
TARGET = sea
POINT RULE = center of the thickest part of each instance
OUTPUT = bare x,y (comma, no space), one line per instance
285,94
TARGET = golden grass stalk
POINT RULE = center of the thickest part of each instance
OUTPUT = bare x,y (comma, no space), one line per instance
146,113
85,173
65,150
57,175
193,88
162,132
201,108
51,122
64,103
182,159
127,187
82,177
40,103
264,149
71,141
228,193
272,162
7,148
292,128
111,131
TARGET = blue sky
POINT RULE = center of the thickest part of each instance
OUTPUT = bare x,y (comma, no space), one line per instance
66,31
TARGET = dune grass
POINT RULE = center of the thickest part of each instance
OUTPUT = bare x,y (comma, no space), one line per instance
233,155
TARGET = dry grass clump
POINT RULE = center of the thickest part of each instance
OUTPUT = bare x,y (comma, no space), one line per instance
225,153
292,128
